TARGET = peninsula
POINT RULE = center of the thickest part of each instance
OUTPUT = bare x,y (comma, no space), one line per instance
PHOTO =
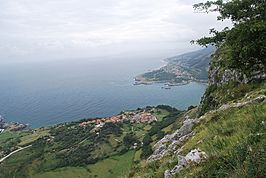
180,70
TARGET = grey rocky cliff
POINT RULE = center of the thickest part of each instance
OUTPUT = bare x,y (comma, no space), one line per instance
219,76
169,142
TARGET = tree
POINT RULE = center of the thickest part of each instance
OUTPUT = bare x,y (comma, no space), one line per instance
129,140
146,151
246,40
160,134
147,139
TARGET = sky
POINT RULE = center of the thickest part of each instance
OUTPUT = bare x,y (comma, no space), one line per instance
37,30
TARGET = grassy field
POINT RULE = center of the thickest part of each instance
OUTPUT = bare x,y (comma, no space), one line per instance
7,135
67,172
38,133
113,167
116,166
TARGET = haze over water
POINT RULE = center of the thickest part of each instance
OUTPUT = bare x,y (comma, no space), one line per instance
51,92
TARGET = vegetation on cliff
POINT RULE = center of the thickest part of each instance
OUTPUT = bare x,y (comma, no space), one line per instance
245,41
238,66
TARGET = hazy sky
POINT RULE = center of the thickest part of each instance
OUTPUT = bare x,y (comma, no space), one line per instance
50,29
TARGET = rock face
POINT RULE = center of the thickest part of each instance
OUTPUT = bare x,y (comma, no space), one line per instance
218,76
193,157
169,143
221,73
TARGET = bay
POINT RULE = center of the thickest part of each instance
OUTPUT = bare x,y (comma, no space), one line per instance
51,92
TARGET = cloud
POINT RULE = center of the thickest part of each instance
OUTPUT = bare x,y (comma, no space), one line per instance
32,28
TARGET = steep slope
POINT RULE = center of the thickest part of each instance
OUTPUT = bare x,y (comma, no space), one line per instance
226,142
227,83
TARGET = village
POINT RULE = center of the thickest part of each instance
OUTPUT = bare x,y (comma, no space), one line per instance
132,116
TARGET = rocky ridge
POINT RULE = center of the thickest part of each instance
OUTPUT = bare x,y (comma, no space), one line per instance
218,77
172,143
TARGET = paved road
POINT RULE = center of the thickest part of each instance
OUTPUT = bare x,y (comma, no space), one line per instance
13,152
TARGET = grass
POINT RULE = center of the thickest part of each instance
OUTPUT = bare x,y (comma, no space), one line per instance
234,141
15,165
113,167
231,139
137,155
7,135
38,133
67,172
116,166
160,114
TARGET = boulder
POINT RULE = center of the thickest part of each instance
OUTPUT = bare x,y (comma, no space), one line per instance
193,157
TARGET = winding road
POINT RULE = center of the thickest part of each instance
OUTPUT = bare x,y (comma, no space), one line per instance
13,152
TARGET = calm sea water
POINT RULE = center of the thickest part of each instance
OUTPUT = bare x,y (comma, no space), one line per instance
47,93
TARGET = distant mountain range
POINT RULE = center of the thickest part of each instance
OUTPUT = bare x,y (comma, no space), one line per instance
181,69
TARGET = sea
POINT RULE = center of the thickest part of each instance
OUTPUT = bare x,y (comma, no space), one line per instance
55,91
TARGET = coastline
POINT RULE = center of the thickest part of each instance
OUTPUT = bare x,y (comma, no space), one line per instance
11,126
179,70
139,80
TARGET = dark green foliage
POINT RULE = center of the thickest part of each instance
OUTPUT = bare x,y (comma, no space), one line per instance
246,39
158,126
77,157
146,151
130,139
160,134
167,108
111,128
191,107
146,147
9,144
68,136
147,139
